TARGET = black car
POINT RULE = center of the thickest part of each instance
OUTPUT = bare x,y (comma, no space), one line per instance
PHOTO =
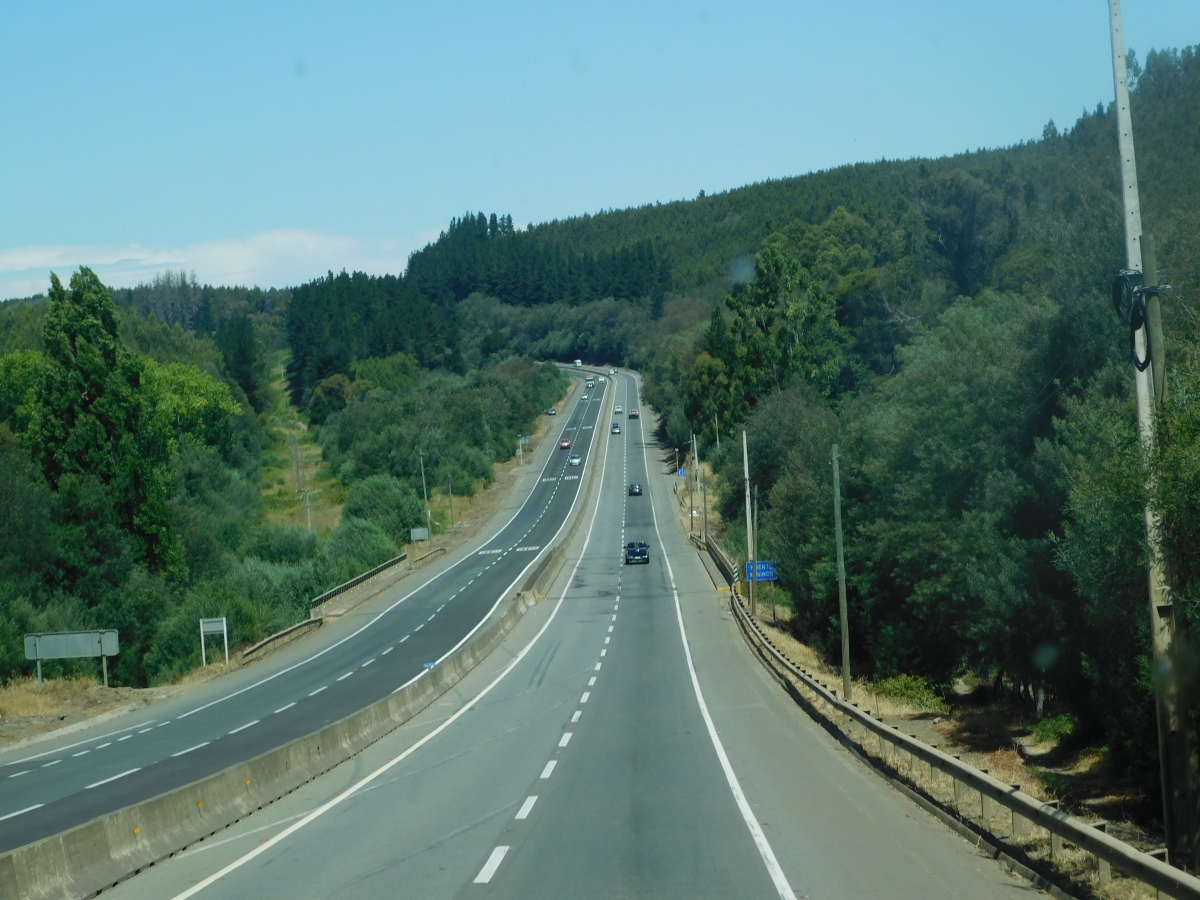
635,490
637,552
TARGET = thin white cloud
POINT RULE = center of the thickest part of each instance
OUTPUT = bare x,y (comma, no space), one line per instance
278,258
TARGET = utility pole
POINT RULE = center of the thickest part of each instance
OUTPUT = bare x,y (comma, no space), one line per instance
695,481
450,488
425,494
847,690
1174,738
717,432
754,568
704,508
749,525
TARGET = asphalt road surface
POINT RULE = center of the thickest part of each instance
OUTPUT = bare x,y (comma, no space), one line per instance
622,742
59,783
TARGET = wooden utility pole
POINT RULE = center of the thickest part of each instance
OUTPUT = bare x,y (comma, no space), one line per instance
1175,744
841,571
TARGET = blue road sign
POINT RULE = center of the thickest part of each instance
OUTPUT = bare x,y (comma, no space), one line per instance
682,473
766,571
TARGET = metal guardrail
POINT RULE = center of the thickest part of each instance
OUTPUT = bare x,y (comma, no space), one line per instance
1134,863
356,581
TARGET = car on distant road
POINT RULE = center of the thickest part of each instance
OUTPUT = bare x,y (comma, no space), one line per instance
564,444
635,490
616,428
575,460
578,363
585,396
612,371
551,411
637,552
633,413
618,409
590,383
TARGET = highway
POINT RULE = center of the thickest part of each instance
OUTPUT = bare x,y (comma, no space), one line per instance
56,784
621,742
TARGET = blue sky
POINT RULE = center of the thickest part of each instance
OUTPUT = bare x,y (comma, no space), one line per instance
264,143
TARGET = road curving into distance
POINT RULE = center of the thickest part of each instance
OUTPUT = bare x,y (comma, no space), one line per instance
622,742
60,783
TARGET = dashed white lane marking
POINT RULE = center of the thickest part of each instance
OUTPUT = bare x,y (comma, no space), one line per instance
387,651
418,628
49,764
607,639
565,739
603,652
614,618
244,727
367,663
443,606
549,768
102,746
318,690
344,677
190,749
610,628
80,753
115,777
22,811
403,639
523,812
597,667
584,698
164,724
144,730
490,867
578,713
286,706
19,774
127,737
591,681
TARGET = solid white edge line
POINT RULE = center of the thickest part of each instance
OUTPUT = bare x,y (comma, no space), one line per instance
526,807
470,704
756,832
492,864
355,634
22,811
122,775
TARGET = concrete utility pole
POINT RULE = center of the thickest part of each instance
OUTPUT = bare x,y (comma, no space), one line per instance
425,494
1175,745
841,570
695,482
749,525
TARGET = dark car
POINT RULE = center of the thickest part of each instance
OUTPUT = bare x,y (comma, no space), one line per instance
635,490
637,552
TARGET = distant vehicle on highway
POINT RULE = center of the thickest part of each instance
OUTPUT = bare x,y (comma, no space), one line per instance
637,552
575,460
564,444
618,409
585,396
612,371
633,413
635,490
578,363
616,428
551,411
591,382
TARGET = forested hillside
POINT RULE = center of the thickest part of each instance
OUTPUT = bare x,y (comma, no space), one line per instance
945,321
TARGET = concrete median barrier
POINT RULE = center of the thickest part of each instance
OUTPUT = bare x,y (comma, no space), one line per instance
87,859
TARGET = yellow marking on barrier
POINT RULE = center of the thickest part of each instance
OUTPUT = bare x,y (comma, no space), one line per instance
201,803
137,831
247,781
725,589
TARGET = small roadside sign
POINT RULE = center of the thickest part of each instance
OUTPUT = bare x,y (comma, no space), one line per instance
682,473
765,571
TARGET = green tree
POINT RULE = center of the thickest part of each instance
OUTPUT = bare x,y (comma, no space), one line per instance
95,423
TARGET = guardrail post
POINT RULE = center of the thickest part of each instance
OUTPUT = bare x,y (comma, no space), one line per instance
1056,841
1103,866
1019,822
959,790
985,806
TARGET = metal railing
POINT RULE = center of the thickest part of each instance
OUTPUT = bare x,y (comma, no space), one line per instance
1061,825
356,581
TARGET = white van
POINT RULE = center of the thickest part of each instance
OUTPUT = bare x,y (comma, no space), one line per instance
578,363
